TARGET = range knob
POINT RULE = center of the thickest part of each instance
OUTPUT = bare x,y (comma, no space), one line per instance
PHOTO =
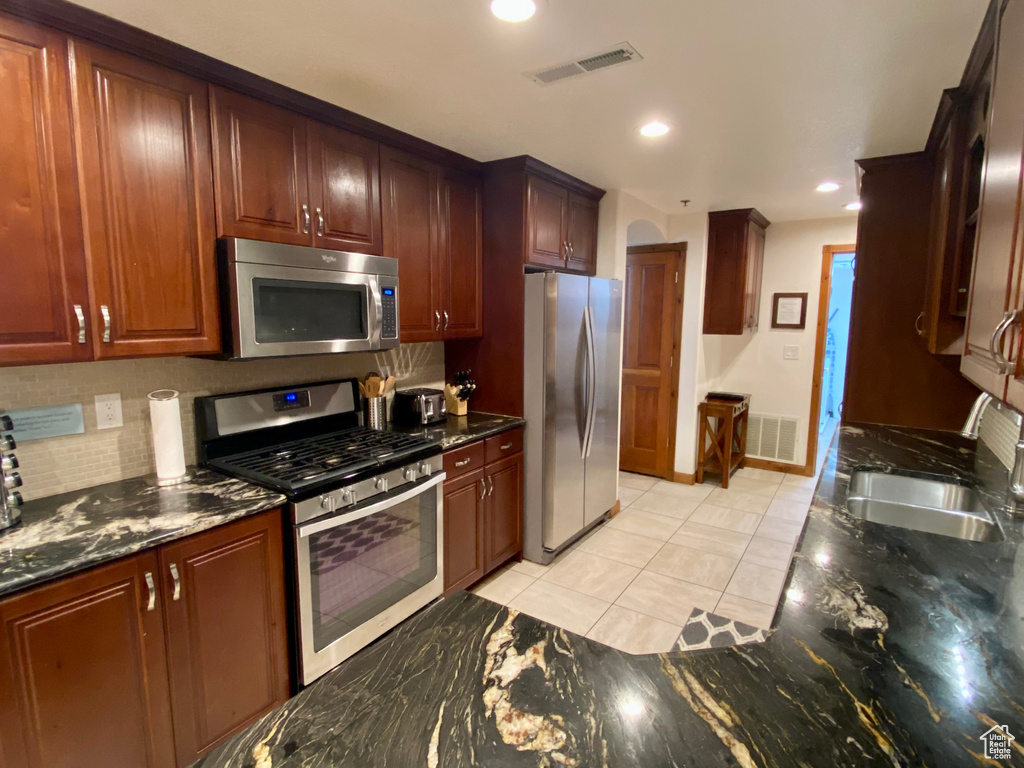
425,469
6,425
12,481
14,499
409,473
326,503
7,443
348,496
381,484
8,463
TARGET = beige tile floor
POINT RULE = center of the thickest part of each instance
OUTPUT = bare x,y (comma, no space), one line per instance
633,582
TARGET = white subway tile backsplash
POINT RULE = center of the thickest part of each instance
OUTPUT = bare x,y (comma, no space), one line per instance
60,464
1000,430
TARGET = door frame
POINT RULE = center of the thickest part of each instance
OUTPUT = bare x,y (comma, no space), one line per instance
677,341
824,298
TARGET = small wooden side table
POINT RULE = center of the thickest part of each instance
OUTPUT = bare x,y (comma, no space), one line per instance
728,443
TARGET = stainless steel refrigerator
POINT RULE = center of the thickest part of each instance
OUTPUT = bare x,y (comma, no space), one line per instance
572,372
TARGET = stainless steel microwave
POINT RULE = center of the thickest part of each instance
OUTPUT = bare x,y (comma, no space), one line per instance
282,300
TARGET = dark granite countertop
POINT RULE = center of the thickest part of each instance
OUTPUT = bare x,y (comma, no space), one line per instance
72,531
457,430
891,648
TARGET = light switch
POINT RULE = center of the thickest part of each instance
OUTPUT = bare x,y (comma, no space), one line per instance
791,352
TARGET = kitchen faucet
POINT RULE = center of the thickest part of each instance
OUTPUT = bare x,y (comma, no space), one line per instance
973,423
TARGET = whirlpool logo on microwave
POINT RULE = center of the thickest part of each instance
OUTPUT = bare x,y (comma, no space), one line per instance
328,258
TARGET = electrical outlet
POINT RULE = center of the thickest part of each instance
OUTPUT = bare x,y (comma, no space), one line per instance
108,411
791,352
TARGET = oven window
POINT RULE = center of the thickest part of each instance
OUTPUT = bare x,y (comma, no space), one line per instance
297,310
361,568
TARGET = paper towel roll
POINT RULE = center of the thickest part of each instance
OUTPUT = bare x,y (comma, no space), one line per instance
168,445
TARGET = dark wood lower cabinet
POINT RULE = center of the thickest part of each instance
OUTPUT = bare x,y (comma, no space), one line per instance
227,638
85,672
483,519
95,668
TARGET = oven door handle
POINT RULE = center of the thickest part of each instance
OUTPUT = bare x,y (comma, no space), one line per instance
336,520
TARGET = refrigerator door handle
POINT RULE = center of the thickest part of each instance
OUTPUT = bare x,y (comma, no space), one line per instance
581,386
588,317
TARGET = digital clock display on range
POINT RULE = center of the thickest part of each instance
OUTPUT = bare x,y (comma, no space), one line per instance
286,401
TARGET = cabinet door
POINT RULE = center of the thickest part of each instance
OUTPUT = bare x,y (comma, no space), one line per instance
259,155
504,510
755,270
40,244
582,234
547,215
84,672
344,184
463,531
147,192
461,256
226,630
997,232
410,211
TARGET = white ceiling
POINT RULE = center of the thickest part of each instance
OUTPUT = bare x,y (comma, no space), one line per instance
768,97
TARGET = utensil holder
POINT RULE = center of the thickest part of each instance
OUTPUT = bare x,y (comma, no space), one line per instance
375,412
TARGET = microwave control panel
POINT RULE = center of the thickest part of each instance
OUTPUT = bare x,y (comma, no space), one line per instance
389,308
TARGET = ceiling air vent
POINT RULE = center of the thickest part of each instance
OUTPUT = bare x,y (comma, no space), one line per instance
623,53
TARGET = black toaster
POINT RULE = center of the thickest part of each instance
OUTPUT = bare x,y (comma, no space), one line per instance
418,406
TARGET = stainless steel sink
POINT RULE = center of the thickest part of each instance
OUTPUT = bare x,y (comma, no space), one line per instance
932,506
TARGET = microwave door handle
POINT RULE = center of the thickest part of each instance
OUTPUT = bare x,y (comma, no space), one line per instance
375,312
336,520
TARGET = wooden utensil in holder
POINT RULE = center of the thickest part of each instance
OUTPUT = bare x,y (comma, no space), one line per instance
455,406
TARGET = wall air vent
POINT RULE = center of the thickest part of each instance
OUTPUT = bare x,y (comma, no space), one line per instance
617,55
772,437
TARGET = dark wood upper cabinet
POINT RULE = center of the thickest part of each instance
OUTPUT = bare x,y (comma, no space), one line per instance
85,672
503,510
463,531
344,184
582,236
410,212
461,255
41,246
735,263
547,222
147,192
260,170
224,610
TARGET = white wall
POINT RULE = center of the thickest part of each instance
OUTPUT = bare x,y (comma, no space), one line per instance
753,362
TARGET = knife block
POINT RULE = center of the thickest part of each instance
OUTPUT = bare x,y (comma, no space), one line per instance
455,406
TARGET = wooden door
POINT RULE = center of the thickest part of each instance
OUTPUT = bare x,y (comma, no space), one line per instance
40,246
547,217
503,510
84,670
461,256
260,171
147,192
650,349
998,236
410,211
464,531
226,630
344,184
582,234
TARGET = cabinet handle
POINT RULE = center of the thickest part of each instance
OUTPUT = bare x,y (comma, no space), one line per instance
105,311
490,484
463,463
1010,318
446,319
177,582
437,316
319,222
917,324
506,446
483,489
151,585
305,219
570,250
81,323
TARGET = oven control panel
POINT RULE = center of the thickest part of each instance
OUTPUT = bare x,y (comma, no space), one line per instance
289,401
389,310
376,485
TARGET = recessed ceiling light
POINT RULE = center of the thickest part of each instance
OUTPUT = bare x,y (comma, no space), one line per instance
828,186
513,10
854,206
654,128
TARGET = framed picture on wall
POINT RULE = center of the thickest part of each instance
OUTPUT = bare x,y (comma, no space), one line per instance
789,310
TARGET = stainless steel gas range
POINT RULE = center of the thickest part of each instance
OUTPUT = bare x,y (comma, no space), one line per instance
366,508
